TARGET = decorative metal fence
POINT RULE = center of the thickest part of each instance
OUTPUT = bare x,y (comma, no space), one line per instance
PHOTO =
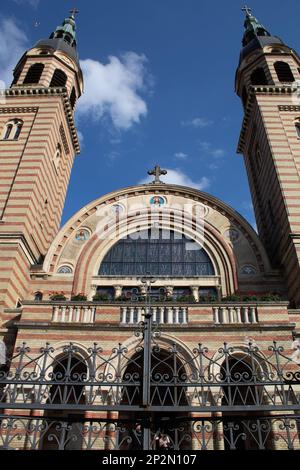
150,397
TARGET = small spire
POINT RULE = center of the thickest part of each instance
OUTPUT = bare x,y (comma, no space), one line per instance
253,27
74,12
247,10
67,31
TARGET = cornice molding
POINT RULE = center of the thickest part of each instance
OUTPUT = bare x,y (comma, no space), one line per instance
26,91
265,90
14,110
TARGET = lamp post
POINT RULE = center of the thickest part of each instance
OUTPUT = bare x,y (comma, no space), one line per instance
147,280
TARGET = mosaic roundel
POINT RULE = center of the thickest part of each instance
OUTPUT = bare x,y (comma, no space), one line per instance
232,235
65,270
117,209
157,201
248,270
82,235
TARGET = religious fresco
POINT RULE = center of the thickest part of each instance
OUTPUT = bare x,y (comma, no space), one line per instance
157,201
82,235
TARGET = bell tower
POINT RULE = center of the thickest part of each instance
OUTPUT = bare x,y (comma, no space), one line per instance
38,143
267,81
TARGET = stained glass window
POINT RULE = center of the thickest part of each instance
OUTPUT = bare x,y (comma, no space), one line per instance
153,253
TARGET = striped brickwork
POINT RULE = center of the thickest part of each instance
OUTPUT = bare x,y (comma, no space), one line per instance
33,179
271,148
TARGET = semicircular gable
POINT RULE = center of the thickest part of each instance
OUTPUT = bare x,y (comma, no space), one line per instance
237,242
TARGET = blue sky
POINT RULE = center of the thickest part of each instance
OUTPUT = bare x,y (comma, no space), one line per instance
159,88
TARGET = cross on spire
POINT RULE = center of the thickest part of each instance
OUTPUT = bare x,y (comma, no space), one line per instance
247,10
157,171
74,12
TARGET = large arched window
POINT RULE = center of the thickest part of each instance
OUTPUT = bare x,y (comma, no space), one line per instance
59,78
34,74
284,72
258,77
158,252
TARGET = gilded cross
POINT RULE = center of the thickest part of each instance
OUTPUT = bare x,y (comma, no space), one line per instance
74,12
247,10
157,171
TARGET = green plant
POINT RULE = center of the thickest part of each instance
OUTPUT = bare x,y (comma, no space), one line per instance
100,297
208,298
271,297
58,296
79,297
231,298
186,298
250,298
122,298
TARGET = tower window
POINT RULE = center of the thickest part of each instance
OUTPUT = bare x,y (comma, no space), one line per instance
16,76
38,296
244,96
73,97
57,156
258,77
297,125
34,74
258,158
12,129
19,126
8,130
59,78
284,72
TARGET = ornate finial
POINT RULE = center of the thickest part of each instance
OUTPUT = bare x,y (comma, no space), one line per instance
157,172
247,10
74,12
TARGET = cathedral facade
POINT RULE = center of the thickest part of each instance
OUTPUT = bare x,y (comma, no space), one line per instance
153,303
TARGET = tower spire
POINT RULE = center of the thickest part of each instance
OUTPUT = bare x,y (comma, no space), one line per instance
254,29
67,30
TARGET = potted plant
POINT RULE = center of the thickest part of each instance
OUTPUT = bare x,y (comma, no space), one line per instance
271,297
100,298
58,296
231,298
79,297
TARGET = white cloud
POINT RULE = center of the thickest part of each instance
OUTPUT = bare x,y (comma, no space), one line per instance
177,176
212,151
113,89
217,153
213,166
180,155
197,122
13,44
81,138
33,3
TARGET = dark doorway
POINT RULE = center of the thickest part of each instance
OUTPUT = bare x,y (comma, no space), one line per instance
166,372
64,430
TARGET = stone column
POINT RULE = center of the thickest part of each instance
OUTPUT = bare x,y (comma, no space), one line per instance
92,292
176,315
55,314
154,310
118,291
216,315
124,314
169,291
195,292
170,315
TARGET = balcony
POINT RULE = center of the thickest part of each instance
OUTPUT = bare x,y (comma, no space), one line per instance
235,314
73,314
162,315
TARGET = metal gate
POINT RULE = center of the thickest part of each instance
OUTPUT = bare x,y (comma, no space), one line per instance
152,398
